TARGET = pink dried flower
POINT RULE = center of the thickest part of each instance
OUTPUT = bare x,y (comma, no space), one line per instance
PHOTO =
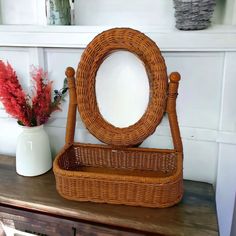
41,102
12,96
29,111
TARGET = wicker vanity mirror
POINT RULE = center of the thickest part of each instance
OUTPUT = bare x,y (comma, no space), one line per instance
122,89
118,171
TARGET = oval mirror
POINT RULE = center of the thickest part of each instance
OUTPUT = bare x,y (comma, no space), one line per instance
97,88
122,89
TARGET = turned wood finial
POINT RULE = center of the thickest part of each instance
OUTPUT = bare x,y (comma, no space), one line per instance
70,72
175,77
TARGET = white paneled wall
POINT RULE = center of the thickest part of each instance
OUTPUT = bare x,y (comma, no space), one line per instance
206,60
198,105
228,114
205,109
123,12
201,80
226,187
226,175
21,64
19,12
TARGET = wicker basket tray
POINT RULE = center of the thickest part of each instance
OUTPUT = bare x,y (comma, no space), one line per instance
117,174
132,176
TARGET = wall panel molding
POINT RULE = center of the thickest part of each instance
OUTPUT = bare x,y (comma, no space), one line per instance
216,38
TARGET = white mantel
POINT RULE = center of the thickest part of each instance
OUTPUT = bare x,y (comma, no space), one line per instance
215,38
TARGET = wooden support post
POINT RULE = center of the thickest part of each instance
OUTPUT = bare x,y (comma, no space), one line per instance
171,110
71,117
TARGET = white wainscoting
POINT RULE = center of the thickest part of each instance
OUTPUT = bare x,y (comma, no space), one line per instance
206,107
198,104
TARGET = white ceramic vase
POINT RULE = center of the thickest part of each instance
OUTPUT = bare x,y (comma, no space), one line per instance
33,155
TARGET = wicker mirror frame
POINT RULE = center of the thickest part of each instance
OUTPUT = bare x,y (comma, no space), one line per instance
93,56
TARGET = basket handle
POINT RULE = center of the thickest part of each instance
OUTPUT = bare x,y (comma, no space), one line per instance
171,110
71,116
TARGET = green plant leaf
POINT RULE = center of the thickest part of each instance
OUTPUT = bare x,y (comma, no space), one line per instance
20,123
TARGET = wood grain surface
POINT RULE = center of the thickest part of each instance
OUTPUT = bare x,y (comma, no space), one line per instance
195,215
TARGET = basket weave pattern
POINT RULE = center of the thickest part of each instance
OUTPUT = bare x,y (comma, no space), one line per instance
126,158
114,173
153,179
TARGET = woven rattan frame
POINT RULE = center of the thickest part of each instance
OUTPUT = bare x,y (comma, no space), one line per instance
93,56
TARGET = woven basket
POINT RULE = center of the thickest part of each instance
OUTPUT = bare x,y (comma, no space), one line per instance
193,14
113,173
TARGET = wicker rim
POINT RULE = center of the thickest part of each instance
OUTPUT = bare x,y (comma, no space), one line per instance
93,56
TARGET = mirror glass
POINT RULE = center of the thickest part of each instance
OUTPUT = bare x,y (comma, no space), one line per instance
122,89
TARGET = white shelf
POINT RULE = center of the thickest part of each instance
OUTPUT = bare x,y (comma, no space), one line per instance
215,38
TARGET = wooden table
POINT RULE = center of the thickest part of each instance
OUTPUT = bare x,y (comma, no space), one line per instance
32,204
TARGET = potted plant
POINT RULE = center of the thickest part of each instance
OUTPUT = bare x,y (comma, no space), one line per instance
32,111
193,14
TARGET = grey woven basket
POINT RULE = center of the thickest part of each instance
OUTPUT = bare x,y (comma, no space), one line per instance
193,14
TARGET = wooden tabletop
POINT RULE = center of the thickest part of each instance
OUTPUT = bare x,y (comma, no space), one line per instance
195,215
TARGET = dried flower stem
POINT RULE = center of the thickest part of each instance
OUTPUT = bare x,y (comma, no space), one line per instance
29,111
